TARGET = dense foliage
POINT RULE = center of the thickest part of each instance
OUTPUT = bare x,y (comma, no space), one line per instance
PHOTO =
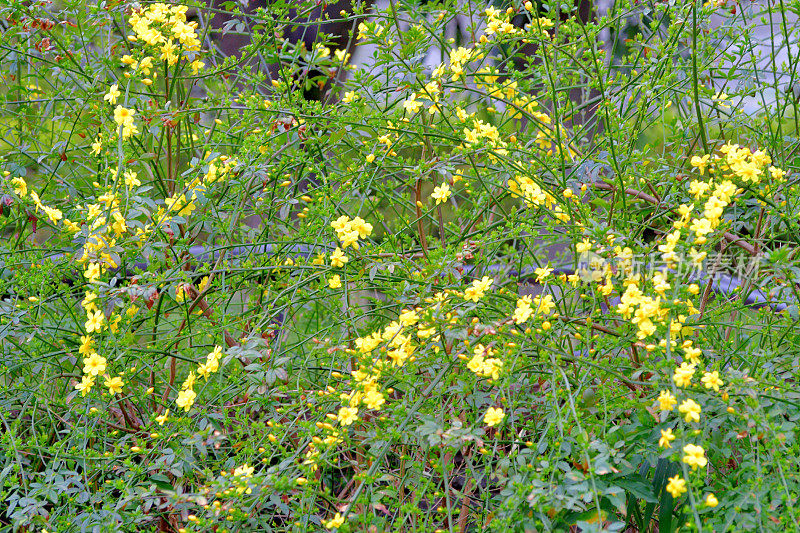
536,276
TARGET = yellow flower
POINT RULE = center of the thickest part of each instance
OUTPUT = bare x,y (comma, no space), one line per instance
162,418
693,354
478,289
209,367
666,438
544,305
350,96
338,259
676,486
542,273
701,227
113,324
94,365
583,246
493,416
88,302
52,213
123,116
441,193
523,311
711,380
85,385
778,175
408,317
92,272
347,415
20,187
216,353
374,399
694,456
112,94
683,375
186,399
711,500
412,105
666,401
491,368
87,345
335,282
114,384
189,381
341,55
245,471
476,363
698,188
94,321
337,520
131,179
691,410
700,163
363,227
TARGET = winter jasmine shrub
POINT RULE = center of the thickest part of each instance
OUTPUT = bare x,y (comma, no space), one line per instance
539,276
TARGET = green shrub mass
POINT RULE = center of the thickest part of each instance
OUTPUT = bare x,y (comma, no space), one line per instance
539,276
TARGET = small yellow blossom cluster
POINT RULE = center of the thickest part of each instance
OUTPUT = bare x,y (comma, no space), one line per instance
183,203
238,483
721,196
349,231
747,165
521,103
539,25
336,521
52,213
738,163
369,29
484,364
387,139
641,310
187,395
392,349
94,365
164,28
646,312
125,121
530,191
458,58
693,455
20,187
528,307
323,52
104,224
430,92
321,58
485,135
497,23
398,346
478,289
